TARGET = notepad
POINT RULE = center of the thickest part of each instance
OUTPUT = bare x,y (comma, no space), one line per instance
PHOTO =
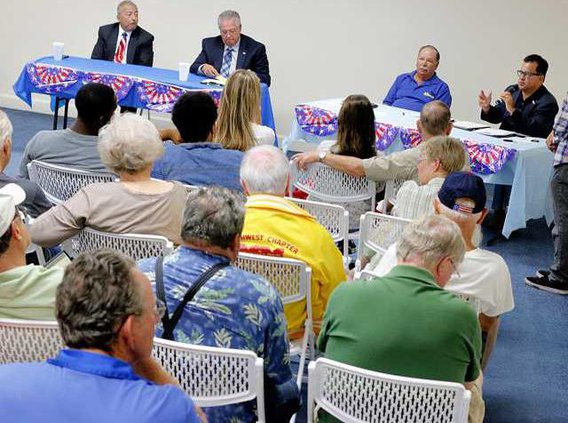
469,126
497,133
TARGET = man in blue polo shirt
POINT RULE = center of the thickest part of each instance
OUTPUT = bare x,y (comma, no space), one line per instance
414,89
106,313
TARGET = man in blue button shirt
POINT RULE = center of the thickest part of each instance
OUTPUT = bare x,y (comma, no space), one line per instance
414,89
106,313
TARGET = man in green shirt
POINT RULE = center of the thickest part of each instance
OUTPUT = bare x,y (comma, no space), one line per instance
405,323
26,292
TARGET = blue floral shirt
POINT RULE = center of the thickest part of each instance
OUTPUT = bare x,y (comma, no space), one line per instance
234,309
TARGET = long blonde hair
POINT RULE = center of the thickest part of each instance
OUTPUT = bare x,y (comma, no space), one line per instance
240,106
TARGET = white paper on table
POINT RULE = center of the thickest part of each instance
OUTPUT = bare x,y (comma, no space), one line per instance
494,132
469,126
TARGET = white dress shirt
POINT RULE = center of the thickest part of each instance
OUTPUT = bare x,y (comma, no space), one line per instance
120,32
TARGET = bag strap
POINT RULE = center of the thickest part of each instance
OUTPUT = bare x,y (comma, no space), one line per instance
170,324
160,291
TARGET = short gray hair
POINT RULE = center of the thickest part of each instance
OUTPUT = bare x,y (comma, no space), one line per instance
229,14
125,3
265,170
214,216
97,294
129,143
429,240
6,128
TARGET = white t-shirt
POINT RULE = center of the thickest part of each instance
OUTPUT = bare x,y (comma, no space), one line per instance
263,134
484,275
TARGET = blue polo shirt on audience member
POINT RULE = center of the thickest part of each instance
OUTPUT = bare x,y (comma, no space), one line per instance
407,94
80,386
201,164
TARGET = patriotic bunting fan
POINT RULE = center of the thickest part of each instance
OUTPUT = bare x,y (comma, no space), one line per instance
410,138
51,79
386,134
488,158
120,84
316,121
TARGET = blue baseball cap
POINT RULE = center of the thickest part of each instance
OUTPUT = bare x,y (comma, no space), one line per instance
463,185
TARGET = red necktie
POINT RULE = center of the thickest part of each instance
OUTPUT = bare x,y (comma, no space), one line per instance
119,55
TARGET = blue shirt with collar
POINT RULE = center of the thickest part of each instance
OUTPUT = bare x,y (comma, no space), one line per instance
79,386
201,164
406,93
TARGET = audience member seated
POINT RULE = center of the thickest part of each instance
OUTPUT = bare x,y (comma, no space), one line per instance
106,314
195,160
75,147
483,275
26,292
136,204
234,308
277,227
238,126
434,120
440,156
35,202
405,323
355,137
415,89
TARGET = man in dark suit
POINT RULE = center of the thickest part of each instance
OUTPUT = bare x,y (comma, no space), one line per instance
131,44
230,51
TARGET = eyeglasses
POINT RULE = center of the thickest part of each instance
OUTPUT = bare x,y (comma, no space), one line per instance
160,309
523,74
232,31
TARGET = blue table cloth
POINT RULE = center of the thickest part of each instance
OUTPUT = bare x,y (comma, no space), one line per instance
524,163
135,86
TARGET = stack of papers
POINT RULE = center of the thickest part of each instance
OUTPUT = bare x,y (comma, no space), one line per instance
469,126
497,133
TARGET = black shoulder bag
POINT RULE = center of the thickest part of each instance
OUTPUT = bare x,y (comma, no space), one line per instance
168,323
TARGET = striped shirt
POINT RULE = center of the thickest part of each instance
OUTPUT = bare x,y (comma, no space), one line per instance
561,135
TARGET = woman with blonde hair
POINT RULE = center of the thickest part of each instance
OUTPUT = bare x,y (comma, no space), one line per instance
128,147
238,125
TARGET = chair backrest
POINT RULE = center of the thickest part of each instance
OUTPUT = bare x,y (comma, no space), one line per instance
391,190
136,246
356,395
60,183
378,232
332,217
28,341
214,376
331,185
290,277
300,146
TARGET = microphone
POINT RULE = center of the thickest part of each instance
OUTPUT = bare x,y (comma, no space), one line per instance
512,89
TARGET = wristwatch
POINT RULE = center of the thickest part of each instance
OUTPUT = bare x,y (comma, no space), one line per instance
321,155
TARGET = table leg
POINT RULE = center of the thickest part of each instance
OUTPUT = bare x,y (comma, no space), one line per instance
65,113
56,113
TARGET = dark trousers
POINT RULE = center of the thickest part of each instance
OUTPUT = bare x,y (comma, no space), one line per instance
559,188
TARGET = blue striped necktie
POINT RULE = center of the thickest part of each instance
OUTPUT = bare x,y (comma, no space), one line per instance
227,59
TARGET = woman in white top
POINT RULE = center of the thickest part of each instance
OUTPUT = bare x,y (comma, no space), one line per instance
238,125
128,146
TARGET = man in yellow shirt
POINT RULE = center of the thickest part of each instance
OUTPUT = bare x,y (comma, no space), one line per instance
277,227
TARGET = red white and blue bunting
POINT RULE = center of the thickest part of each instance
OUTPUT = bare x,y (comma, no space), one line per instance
410,138
316,121
386,134
121,85
488,158
51,79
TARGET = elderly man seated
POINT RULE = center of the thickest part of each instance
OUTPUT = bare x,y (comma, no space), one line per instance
106,313
483,276
277,227
405,323
26,292
233,308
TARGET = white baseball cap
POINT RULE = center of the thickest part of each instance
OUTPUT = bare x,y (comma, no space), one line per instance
10,196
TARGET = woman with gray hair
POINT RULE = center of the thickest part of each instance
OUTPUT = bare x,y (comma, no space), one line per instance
128,146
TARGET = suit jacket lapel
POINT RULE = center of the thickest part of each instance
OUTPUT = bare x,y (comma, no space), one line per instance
113,39
132,45
242,55
218,54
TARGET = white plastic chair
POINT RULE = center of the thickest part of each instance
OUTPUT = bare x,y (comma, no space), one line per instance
391,190
60,183
353,394
332,217
377,233
136,246
28,341
214,376
331,185
292,279
300,146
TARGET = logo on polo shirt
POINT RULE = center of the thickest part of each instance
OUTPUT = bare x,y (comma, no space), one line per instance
429,95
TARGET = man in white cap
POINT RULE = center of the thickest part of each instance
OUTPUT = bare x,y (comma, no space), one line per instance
26,291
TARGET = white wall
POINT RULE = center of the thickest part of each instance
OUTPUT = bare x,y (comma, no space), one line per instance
316,48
